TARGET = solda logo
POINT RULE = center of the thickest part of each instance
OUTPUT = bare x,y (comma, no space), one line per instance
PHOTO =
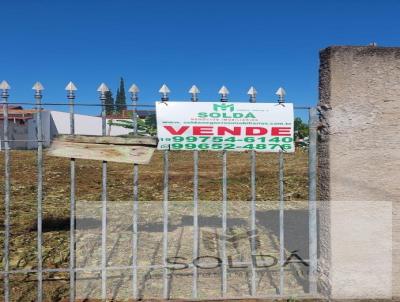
225,111
224,107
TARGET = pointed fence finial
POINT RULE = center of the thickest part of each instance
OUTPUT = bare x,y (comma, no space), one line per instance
224,93
252,93
164,90
4,85
281,94
194,91
38,86
71,87
134,89
103,88
4,90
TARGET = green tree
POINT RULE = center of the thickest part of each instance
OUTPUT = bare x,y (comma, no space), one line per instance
109,103
300,128
120,102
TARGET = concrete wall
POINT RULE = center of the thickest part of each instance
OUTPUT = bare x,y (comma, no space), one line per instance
359,171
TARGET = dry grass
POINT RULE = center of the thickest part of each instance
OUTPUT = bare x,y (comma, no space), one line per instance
56,204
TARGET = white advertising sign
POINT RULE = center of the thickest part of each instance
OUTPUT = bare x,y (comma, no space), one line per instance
263,127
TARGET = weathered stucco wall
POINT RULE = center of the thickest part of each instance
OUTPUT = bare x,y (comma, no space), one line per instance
359,170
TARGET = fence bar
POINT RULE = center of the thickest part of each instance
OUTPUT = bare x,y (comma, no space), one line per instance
165,227
71,97
281,225
165,91
253,93
195,219
127,105
194,91
78,104
135,229
253,220
104,204
224,221
312,203
224,98
134,99
38,96
7,188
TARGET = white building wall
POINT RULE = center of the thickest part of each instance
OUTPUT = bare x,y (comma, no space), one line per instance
55,123
84,125
32,130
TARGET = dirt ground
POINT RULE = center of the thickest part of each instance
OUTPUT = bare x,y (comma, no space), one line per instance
119,241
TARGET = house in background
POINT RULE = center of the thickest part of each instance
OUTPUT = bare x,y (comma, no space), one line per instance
22,124
22,127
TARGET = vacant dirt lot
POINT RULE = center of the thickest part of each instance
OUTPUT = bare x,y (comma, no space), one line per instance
120,185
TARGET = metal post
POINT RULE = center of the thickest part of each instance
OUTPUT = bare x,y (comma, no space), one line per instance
7,185
281,94
134,97
71,97
281,224
194,91
253,93
224,98
164,98
103,89
165,226
38,96
312,189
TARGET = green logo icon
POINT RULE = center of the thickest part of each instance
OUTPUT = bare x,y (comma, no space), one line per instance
224,107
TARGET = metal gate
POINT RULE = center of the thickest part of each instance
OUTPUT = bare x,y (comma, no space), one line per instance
166,266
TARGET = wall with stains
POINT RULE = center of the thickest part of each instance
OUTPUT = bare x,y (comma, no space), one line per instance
359,171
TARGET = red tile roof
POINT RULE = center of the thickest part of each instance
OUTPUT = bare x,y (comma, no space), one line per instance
17,113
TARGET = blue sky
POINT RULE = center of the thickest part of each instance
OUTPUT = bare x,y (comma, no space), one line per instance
182,42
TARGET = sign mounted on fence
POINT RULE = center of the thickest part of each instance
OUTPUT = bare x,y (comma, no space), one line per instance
263,127
136,150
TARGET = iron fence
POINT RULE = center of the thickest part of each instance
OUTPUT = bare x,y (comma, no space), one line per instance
72,270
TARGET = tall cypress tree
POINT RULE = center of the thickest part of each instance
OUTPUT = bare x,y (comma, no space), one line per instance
109,103
116,102
120,103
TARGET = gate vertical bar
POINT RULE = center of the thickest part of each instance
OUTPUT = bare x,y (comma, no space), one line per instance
224,98
38,96
281,225
253,93
7,187
165,91
165,225
71,97
312,189
224,222
134,90
103,89
194,91
135,229
281,94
